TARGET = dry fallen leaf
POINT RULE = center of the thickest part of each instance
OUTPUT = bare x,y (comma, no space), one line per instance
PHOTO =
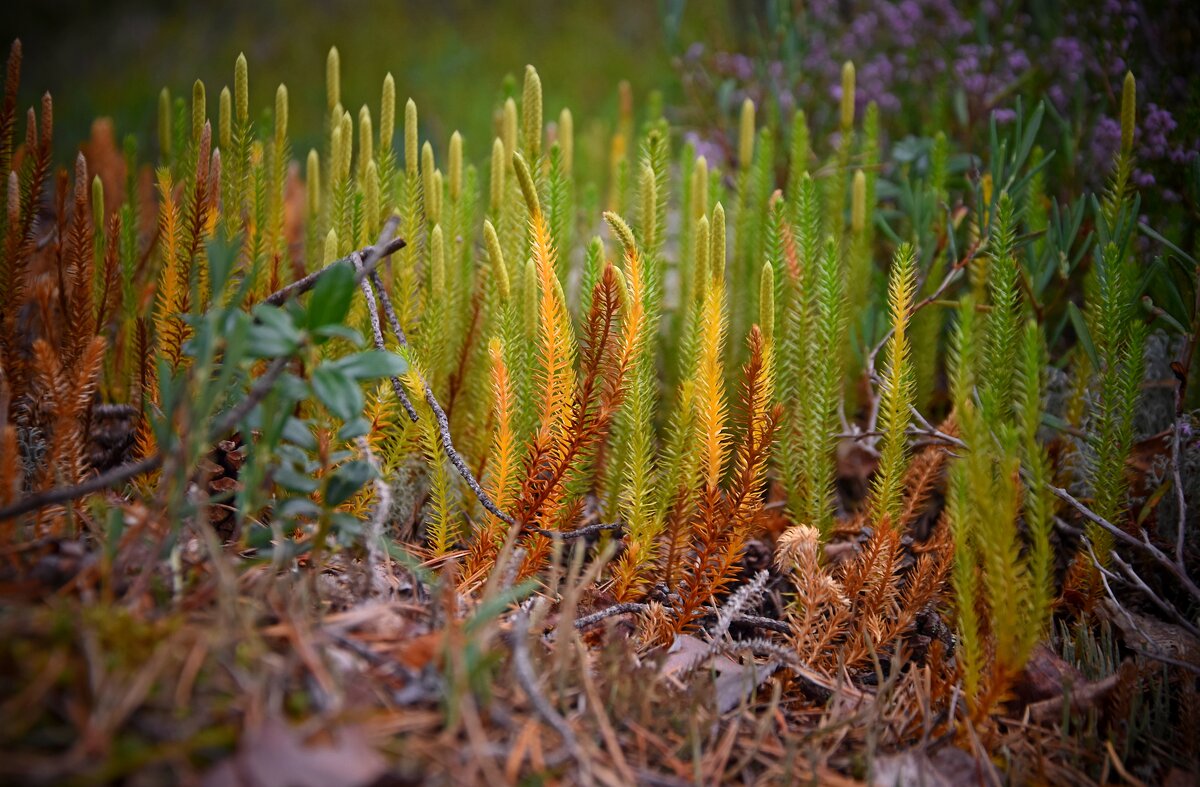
947,767
733,683
277,755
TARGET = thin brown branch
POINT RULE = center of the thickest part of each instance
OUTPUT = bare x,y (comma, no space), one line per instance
627,608
284,294
1178,570
118,475
523,669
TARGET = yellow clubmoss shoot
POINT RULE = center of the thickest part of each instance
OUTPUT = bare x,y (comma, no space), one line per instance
496,259
622,231
437,261
241,89
312,182
566,140
333,78
766,303
335,117
225,119
97,203
199,110
164,123
281,113
858,202
410,138
847,105
648,188
622,287
347,145
531,110
387,114
717,255
508,127
427,167
331,247
433,198
527,187
1128,113
746,135
531,300
496,196
700,284
455,166
335,155
366,140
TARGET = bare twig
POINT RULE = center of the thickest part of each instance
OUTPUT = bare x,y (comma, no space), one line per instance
374,529
125,472
1177,472
377,331
443,423
96,483
523,668
807,675
627,608
1178,570
758,621
1086,696
737,601
1132,577
381,252
456,459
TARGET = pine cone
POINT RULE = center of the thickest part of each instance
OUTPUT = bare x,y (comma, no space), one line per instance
222,468
111,432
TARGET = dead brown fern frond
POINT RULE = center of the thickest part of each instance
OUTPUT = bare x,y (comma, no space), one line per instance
726,521
77,264
8,110
597,395
866,605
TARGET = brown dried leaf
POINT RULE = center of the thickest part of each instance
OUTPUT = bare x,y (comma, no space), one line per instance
277,753
947,767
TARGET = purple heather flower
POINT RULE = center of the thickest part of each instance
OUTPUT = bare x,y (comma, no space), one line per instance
1156,128
1004,115
1106,140
711,151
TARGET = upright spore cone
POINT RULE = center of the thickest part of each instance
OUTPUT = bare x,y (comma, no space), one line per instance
746,135
366,140
281,112
411,146
454,158
312,183
164,124
531,111
847,103
225,119
387,113
333,79
566,140
496,183
1128,113
199,110
241,89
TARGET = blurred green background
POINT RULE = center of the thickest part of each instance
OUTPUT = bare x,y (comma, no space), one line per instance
112,58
